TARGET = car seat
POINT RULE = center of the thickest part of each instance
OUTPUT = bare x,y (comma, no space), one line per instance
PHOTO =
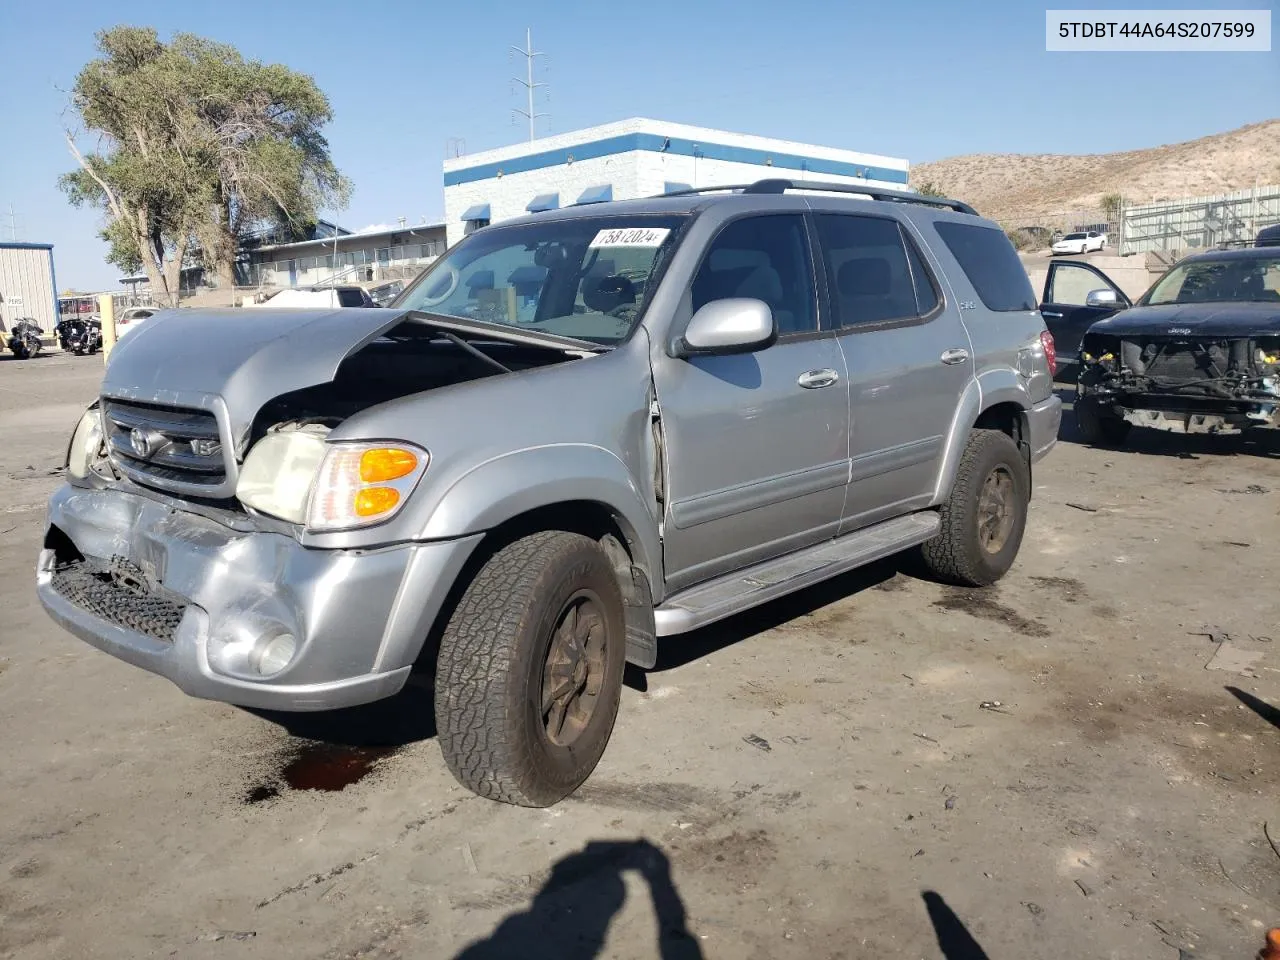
865,285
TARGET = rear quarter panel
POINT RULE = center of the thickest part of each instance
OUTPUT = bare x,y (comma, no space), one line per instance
1010,365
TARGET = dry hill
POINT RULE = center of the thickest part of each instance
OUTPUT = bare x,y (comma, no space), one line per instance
1018,186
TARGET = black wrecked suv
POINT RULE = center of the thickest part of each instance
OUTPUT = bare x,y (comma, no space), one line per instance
1199,352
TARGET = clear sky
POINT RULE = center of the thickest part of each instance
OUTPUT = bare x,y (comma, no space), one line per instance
920,79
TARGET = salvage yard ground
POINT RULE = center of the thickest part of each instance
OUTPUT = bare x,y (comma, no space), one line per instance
1079,762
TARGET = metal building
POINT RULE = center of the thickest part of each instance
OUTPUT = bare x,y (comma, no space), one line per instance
1189,224
27,285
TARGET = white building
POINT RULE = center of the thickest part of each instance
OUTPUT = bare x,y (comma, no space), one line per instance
637,158
28,289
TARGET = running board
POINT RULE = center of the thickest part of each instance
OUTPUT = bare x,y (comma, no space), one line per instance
743,589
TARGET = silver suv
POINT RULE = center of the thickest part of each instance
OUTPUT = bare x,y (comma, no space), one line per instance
574,434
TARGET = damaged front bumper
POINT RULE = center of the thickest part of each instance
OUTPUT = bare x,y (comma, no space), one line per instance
184,596
1175,412
1198,421
1218,385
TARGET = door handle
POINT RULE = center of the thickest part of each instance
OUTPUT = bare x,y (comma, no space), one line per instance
955,355
1050,313
814,379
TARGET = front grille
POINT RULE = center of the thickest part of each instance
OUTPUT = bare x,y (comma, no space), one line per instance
166,444
115,594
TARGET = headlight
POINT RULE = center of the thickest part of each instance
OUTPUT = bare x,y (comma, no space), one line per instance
363,483
279,472
297,476
86,444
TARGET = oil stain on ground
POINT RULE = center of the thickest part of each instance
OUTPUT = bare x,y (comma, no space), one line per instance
313,765
981,603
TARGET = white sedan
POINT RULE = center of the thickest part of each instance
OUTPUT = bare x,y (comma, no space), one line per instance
1081,242
131,318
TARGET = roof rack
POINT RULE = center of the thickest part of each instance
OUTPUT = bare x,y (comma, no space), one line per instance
875,193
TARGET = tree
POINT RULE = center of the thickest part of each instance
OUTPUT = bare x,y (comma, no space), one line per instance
929,189
149,188
196,148
1111,203
260,124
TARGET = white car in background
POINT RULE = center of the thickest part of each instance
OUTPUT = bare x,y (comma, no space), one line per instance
132,317
312,297
1081,242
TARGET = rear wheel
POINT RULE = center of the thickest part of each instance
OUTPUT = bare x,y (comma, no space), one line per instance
529,674
984,518
1098,425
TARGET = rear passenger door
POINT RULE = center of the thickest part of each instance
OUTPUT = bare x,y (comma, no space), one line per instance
908,360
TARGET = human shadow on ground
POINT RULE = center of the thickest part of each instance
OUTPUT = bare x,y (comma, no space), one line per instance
570,915
954,939
1263,709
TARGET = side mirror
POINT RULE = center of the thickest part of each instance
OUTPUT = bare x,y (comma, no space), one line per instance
733,325
1105,297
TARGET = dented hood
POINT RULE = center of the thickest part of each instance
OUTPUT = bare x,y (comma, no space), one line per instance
243,358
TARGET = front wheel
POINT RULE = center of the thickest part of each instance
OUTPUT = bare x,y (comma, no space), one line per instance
985,516
529,674
1098,425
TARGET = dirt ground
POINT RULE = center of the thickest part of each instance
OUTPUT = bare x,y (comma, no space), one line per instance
1077,763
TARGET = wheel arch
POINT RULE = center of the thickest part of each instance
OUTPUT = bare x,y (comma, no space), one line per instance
572,487
993,405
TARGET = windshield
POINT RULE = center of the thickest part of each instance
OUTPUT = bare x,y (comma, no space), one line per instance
581,277
1229,280
1074,236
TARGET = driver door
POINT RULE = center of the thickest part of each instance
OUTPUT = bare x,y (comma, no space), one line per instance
1066,308
757,444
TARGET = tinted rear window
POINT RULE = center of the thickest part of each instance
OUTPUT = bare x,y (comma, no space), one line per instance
350,298
989,261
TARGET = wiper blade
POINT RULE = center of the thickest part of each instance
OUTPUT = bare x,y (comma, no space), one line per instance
501,331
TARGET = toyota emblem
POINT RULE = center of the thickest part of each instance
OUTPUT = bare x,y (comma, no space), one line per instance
140,441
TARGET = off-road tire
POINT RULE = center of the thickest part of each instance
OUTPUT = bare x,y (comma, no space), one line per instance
956,555
489,673
1099,427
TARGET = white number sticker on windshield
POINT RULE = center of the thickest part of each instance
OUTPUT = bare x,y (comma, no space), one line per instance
631,237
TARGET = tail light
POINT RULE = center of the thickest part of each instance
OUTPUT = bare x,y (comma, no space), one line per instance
1050,351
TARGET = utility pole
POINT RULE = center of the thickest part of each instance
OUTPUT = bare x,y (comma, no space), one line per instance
528,83
13,225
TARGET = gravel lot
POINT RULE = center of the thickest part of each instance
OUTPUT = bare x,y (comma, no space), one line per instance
1078,762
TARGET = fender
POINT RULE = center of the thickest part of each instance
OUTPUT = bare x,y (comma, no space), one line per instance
506,486
982,393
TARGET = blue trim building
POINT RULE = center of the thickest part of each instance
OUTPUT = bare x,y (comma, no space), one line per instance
634,158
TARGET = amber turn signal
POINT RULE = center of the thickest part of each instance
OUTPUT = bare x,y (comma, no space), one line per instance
386,463
372,501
